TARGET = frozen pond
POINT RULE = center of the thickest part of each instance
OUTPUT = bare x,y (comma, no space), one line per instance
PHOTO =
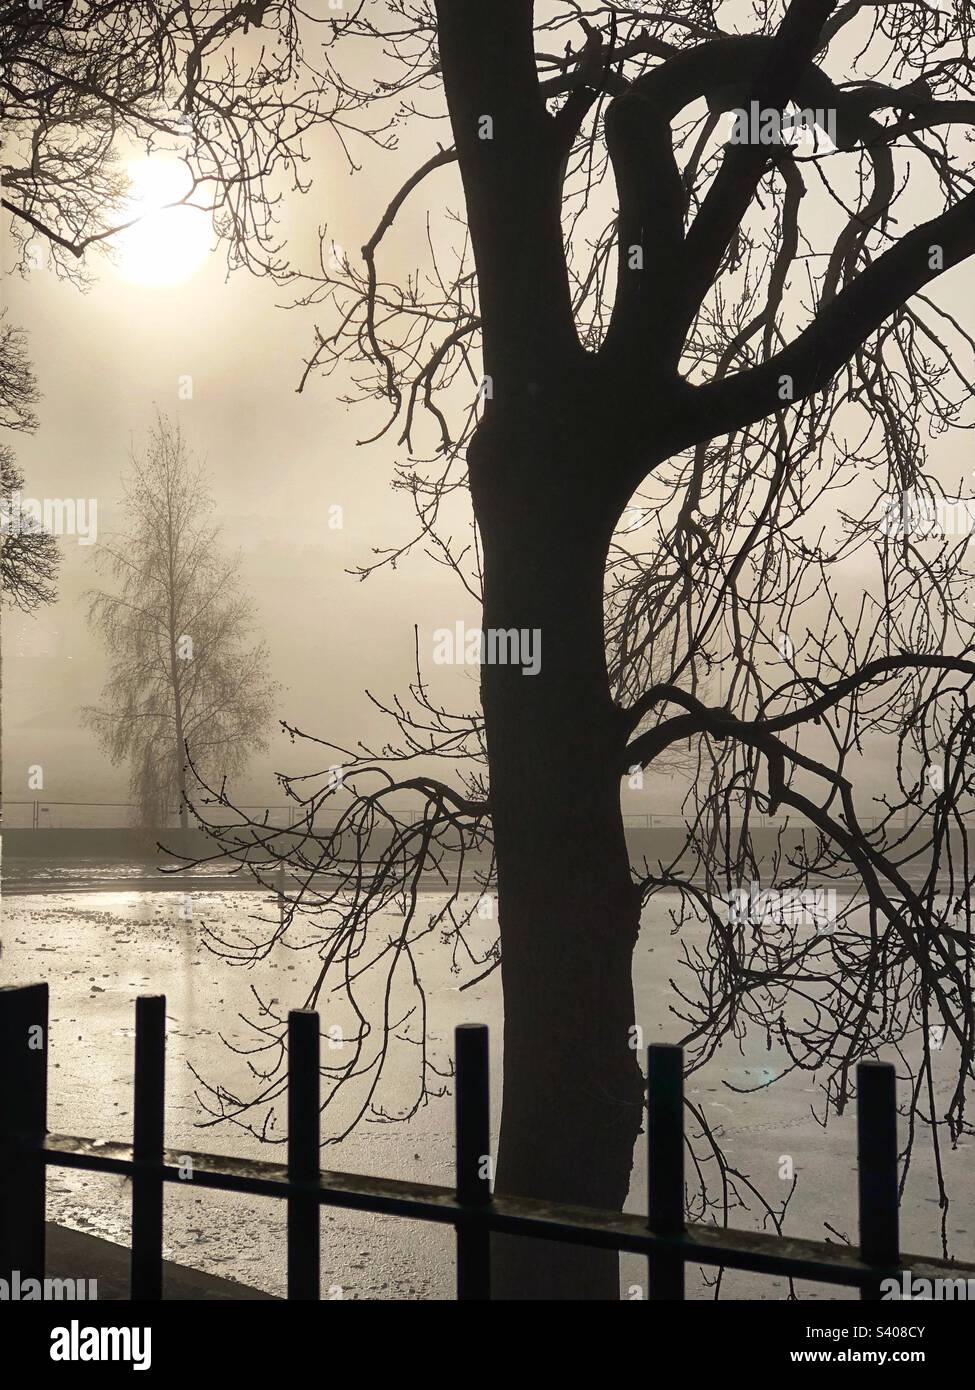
100,949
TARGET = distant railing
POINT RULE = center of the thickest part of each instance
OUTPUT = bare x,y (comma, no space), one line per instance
40,814
81,815
660,820
27,1150
71,815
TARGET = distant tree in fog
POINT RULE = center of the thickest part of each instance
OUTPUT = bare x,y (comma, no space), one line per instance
185,677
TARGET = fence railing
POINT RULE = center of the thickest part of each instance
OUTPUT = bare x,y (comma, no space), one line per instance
43,814
27,1150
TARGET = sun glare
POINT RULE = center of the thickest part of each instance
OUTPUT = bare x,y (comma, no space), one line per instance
169,243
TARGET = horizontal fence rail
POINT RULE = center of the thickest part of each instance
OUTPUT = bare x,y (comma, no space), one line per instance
27,1150
44,813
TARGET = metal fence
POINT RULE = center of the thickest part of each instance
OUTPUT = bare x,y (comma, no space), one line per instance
41,814
27,1150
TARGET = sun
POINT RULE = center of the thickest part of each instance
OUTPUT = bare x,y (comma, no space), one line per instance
168,243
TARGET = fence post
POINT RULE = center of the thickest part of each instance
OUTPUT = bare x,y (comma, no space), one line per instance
877,1165
665,1164
148,1137
304,1209
472,1132
23,1125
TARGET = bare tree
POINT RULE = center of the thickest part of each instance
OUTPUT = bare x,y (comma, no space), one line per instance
28,553
630,310
763,387
183,674
29,557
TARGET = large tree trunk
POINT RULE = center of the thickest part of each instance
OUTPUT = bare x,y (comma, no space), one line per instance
569,915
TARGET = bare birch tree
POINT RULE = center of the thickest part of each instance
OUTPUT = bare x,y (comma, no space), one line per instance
185,677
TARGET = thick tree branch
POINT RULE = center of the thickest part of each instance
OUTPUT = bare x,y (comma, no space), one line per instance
511,165
872,671
721,720
788,56
811,361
